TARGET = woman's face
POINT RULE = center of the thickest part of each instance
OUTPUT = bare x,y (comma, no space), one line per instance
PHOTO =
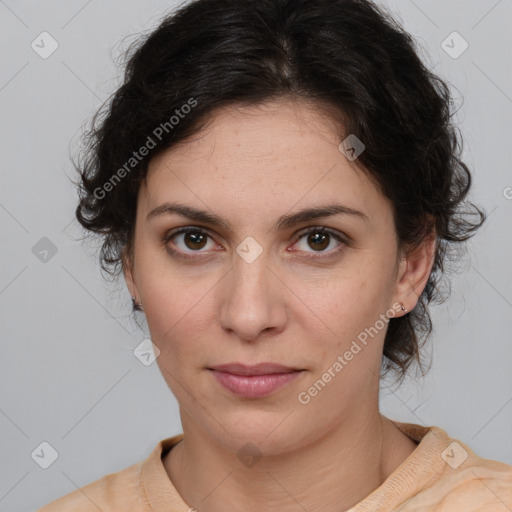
263,284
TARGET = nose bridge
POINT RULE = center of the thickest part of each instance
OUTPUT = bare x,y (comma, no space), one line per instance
250,276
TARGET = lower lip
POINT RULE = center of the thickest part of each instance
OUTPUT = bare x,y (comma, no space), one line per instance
254,386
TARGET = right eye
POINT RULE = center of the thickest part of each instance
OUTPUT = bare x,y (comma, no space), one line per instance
189,240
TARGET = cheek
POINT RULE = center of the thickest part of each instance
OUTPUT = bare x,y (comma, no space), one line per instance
170,296
351,302
175,314
176,307
362,287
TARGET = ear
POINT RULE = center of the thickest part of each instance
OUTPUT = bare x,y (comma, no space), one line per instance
414,270
127,263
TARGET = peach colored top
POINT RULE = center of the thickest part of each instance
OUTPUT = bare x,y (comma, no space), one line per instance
441,475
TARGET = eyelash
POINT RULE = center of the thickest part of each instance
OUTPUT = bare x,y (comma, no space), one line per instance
318,229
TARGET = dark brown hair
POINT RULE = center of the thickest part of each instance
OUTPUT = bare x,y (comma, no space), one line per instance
348,54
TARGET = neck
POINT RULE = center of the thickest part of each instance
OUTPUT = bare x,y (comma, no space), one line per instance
333,473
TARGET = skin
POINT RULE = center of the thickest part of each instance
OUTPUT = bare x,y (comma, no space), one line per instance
298,304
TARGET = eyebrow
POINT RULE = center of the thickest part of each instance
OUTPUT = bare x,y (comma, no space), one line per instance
285,221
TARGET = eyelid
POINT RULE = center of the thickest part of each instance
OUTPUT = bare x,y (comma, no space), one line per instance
169,235
323,229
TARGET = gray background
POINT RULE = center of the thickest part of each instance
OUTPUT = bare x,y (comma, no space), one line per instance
68,374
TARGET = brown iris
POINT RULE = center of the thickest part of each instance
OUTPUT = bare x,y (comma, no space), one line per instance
197,240
319,238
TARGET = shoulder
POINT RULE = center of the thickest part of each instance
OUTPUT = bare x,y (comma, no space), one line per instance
479,484
442,475
464,481
115,491
132,488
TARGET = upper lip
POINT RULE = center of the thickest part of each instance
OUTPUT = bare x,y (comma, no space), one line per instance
253,369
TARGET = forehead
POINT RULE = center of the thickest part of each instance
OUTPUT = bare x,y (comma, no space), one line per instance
262,159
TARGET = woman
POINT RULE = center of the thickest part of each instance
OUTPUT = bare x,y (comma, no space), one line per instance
280,184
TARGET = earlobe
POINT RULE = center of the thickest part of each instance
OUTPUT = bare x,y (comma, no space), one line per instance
415,271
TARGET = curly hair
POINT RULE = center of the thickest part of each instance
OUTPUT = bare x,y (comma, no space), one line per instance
348,55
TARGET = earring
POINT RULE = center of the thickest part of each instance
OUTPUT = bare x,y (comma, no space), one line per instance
403,308
135,305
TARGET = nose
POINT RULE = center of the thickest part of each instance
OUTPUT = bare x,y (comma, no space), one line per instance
253,300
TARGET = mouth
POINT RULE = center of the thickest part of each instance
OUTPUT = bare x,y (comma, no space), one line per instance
254,369
254,381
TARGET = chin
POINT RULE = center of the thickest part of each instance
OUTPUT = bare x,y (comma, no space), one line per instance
271,433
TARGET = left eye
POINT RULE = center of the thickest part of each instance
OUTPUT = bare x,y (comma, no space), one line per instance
320,239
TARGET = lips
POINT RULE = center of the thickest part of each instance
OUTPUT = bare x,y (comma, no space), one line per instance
255,369
254,381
